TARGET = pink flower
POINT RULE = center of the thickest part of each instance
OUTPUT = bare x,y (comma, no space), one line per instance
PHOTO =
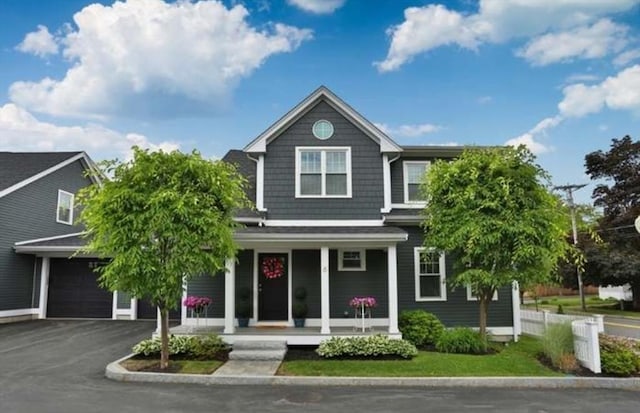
357,302
196,303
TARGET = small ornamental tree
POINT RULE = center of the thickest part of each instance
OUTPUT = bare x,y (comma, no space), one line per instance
162,219
491,210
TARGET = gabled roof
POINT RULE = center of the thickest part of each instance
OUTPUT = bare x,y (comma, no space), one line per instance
18,169
259,145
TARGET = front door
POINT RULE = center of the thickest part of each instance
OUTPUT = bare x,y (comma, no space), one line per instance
273,291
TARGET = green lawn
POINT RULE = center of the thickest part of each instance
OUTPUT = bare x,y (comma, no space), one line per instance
517,359
175,366
571,304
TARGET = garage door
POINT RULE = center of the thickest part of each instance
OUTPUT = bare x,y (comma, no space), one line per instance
74,291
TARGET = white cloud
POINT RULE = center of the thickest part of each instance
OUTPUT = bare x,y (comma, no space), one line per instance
21,131
581,77
627,57
620,92
529,141
409,131
318,6
149,58
585,42
40,43
432,26
531,138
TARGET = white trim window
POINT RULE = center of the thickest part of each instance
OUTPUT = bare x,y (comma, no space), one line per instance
64,210
413,174
430,274
352,260
323,172
471,297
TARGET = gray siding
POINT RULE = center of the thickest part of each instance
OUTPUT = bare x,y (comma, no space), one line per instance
30,213
343,285
279,172
213,286
456,310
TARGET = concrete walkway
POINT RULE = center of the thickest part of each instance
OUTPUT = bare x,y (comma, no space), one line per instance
243,368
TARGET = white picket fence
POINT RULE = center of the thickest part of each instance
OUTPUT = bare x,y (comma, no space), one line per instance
585,333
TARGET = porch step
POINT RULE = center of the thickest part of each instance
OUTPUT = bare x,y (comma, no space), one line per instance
258,350
259,345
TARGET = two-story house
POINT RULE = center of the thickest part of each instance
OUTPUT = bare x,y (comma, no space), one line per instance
37,201
338,213
338,205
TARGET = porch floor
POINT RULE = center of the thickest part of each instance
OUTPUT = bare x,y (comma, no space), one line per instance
293,336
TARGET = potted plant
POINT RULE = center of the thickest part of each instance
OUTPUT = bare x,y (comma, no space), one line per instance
299,309
243,307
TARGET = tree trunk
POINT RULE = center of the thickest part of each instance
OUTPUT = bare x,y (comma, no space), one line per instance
483,316
164,337
635,290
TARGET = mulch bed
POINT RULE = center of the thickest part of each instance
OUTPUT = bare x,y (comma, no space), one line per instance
220,356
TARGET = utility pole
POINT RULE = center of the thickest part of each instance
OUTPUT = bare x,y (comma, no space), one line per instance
569,189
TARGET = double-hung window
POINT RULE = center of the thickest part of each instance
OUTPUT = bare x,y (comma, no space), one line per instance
430,274
323,172
64,210
472,297
352,260
413,174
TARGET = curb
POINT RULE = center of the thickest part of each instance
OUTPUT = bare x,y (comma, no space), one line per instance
115,371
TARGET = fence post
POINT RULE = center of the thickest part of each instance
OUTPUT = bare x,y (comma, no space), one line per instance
545,318
515,303
593,345
600,321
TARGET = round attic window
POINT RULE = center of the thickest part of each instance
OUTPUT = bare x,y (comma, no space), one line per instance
322,129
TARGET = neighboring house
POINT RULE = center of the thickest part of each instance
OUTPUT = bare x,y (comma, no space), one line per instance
338,208
37,193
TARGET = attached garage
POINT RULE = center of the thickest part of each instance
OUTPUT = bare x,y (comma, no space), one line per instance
74,291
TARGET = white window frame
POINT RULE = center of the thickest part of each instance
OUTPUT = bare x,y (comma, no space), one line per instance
406,181
72,197
363,259
471,297
323,169
417,275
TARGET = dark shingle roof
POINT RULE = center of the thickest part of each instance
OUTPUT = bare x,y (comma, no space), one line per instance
15,167
247,168
321,230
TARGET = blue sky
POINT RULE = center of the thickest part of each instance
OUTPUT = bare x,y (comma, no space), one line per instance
562,76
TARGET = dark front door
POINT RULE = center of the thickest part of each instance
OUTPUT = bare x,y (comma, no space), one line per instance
273,281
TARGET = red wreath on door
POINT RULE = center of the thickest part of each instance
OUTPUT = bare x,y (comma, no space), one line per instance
272,267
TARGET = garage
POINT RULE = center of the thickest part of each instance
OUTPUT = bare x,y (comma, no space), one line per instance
74,291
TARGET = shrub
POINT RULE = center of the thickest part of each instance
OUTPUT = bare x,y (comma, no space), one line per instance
197,347
461,340
420,327
557,342
560,309
619,356
366,347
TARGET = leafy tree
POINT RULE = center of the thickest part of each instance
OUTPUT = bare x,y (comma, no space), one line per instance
491,210
619,198
161,219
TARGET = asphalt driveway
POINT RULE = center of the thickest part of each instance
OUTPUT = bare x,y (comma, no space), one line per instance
58,366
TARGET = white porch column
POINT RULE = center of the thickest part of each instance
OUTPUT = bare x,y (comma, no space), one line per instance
229,296
44,288
324,291
392,264
134,309
183,308
114,306
158,320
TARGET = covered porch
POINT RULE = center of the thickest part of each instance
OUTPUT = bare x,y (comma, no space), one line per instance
333,265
